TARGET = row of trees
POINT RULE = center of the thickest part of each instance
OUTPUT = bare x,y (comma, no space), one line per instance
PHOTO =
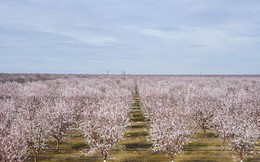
34,112
179,106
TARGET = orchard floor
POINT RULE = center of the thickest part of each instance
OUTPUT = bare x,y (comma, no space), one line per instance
136,148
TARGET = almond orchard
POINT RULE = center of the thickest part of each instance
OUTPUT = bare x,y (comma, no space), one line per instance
96,117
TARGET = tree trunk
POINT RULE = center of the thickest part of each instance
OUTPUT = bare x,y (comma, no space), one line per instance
240,154
35,157
204,131
105,157
223,143
57,144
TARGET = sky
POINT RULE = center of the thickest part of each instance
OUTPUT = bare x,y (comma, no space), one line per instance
136,36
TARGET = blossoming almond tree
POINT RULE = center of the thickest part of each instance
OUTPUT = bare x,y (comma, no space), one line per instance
202,105
238,125
60,118
102,131
169,134
245,136
106,120
35,124
13,144
170,128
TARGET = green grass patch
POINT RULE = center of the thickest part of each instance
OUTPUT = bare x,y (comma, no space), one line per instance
138,119
204,144
136,143
136,132
137,125
209,134
79,146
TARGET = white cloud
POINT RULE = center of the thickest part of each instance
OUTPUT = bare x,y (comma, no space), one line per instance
92,37
160,33
207,39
